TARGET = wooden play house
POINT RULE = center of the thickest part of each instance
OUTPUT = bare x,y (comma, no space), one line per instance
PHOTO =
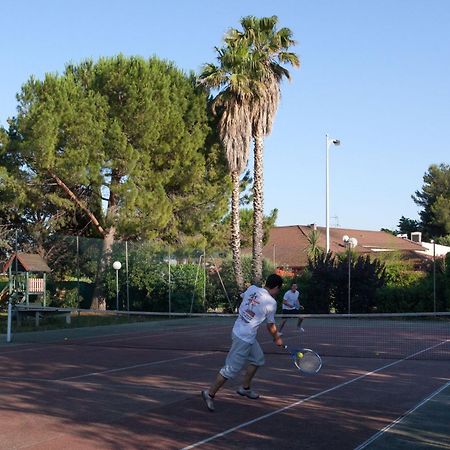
27,275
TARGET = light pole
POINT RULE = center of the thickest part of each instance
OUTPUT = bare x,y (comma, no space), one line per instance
117,266
434,275
336,142
349,243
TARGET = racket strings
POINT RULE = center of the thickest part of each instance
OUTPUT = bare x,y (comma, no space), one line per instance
309,362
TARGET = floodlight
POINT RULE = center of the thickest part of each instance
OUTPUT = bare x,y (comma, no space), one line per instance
353,242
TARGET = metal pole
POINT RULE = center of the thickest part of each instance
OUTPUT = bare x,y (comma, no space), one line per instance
204,278
434,276
126,268
44,276
170,289
349,278
195,283
16,265
117,290
8,332
78,273
17,249
327,195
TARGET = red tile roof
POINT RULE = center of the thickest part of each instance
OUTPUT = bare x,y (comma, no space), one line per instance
287,246
27,262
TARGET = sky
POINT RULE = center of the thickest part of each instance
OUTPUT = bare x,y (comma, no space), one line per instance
374,74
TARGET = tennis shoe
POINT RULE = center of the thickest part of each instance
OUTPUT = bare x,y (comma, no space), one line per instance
300,329
247,393
208,400
279,333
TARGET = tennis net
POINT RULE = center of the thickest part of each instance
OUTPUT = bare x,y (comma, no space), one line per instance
385,336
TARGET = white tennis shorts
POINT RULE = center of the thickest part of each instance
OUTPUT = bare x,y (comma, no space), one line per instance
240,353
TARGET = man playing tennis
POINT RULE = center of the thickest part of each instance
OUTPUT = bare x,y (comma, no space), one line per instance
258,305
291,305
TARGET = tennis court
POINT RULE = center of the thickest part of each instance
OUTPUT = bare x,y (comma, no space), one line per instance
384,383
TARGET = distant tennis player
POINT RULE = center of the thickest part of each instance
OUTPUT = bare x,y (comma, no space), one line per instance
258,305
291,305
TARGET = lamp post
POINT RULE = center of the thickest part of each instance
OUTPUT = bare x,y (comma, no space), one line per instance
336,142
350,243
434,275
117,266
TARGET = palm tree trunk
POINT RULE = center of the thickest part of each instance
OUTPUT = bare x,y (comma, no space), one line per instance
258,211
236,232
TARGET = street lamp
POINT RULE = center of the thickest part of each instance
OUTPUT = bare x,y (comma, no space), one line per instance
434,275
117,266
336,142
349,244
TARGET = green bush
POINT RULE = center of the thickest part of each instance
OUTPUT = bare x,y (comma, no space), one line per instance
56,289
399,299
318,284
66,298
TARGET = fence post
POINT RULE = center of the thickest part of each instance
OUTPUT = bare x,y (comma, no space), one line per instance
126,268
8,332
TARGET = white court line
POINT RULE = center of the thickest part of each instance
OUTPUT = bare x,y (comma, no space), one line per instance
134,334
399,419
123,386
154,363
121,369
319,394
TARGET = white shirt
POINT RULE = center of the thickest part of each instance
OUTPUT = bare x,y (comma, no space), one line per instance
256,307
292,299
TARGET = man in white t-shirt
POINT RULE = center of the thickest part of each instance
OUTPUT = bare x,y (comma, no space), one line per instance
291,305
258,305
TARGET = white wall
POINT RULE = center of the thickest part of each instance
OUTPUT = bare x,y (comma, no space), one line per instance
441,250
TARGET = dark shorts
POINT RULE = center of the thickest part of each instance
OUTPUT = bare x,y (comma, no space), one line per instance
287,312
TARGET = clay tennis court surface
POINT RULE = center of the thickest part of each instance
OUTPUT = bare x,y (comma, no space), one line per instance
138,387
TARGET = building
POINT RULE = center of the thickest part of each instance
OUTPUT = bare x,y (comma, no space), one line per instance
288,246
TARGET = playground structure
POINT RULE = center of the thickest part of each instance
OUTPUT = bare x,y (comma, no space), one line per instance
27,279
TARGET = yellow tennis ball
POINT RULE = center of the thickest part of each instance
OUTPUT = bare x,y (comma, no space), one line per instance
299,355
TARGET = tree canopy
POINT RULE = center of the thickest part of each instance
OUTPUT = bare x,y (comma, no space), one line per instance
122,140
123,146
434,198
407,226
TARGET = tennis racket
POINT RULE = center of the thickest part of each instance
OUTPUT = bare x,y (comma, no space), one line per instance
306,360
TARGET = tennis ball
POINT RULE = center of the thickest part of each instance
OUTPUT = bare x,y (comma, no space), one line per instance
66,338
299,355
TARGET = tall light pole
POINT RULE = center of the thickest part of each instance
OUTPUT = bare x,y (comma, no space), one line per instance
434,275
350,243
117,266
336,142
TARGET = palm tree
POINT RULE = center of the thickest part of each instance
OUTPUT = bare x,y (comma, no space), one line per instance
266,52
233,104
313,250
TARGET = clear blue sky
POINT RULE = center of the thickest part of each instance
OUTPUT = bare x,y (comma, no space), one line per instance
375,74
